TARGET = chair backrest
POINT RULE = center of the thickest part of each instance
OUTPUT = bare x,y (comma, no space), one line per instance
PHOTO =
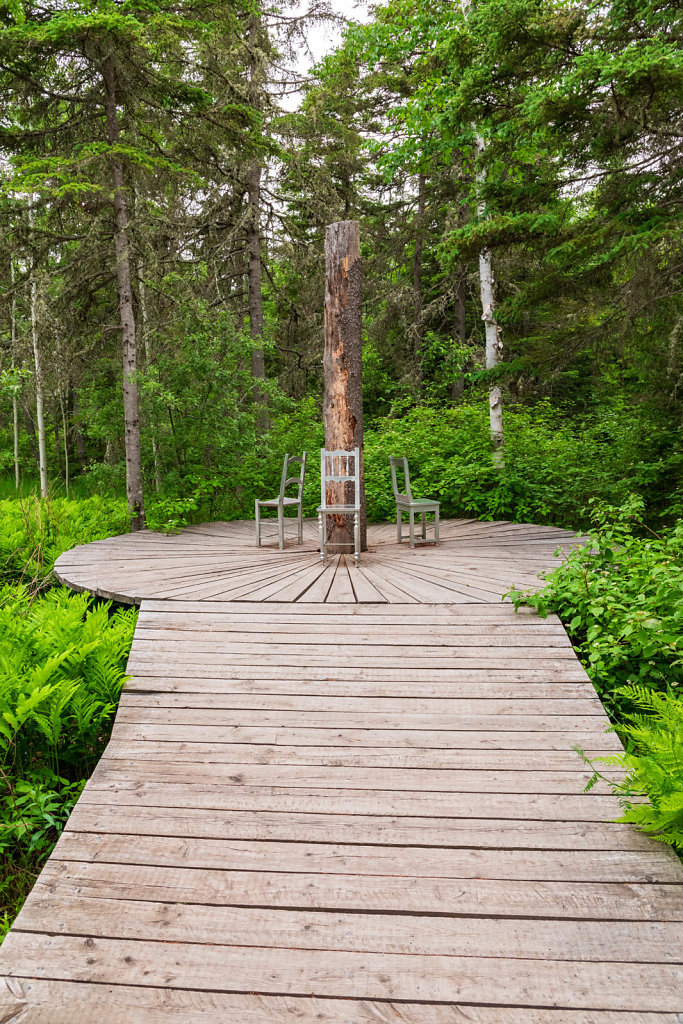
286,479
340,467
401,463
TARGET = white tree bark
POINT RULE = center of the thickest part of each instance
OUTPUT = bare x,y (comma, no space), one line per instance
15,401
40,417
494,345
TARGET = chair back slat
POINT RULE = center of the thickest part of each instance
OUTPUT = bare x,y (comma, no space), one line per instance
340,467
286,479
400,463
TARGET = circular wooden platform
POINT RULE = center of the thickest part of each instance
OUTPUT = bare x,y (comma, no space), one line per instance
476,562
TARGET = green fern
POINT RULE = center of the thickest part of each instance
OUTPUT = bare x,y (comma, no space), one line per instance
652,765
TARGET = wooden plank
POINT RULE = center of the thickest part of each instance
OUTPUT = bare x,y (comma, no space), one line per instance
241,685
358,673
365,757
341,589
317,592
347,974
593,742
217,717
542,939
325,776
59,1002
379,613
633,866
443,655
380,829
370,706
396,637
106,786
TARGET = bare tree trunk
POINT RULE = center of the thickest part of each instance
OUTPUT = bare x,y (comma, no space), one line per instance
255,291
342,362
40,413
131,411
142,292
254,277
30,428
80,440
66,443
15,400
494,344
417,277
58,443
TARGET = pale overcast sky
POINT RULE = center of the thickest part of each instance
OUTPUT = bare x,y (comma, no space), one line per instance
324,38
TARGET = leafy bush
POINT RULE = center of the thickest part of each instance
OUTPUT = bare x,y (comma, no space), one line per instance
621,599
62,661
553,467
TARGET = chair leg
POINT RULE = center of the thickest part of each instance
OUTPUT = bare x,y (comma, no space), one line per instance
356,538
258,524
411,528
424,526
300,518
399,526
322,527
281,527
436,527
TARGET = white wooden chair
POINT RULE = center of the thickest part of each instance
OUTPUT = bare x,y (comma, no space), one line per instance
342,468
282,502
406,503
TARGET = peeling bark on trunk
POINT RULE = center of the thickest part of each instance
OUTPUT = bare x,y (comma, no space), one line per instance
40,411
417,278
342,364
494,345
131,413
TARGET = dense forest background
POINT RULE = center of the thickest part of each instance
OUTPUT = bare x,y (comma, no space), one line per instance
164,203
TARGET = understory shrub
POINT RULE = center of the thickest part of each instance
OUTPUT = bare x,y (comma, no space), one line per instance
62,662
620,597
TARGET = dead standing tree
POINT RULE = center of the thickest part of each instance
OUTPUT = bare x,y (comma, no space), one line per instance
342,364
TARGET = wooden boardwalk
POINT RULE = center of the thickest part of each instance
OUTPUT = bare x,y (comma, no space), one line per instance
347,797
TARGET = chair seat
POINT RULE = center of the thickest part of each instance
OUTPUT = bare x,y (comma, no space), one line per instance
275,502
424,503
347,509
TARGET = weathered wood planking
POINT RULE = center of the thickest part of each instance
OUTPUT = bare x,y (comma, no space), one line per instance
346,796
475,563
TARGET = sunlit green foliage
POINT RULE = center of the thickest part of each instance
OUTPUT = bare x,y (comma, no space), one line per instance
620,597
62,661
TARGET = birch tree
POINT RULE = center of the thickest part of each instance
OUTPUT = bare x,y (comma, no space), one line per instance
37,358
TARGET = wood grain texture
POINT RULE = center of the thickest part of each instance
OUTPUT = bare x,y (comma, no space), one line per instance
346,796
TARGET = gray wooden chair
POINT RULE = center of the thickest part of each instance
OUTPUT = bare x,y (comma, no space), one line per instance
406,503
282,502
339,467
